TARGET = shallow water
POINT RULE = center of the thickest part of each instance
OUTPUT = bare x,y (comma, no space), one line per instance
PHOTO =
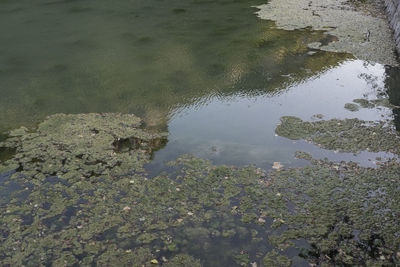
210,73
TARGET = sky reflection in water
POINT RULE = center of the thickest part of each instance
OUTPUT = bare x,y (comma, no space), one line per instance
241,130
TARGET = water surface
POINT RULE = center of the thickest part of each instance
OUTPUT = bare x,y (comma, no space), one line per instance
210,73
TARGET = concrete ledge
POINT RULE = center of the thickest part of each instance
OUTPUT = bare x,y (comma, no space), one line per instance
393,13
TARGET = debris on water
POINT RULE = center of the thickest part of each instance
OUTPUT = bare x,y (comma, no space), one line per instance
277,166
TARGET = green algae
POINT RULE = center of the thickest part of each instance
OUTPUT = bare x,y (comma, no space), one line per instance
243,259
274,259
347,22
183,260
60,215
365,103
351,107
89,144
348,135
374,103
342,210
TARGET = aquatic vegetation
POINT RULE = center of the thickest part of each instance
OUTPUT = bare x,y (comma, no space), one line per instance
348,214
65,206
380,102
274,259
351,107
348,135
333,17
87,145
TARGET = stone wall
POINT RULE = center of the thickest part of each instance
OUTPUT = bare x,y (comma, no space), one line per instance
393,12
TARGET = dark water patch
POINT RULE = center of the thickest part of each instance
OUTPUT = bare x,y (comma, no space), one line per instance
59,68
178,10
53,180
12,190
151,146
83,44
78,9
144,40
6,153
392,86
128,36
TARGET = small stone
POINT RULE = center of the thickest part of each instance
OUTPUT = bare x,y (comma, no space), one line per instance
127,208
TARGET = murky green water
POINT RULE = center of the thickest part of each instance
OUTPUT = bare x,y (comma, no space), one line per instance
210,73
148,58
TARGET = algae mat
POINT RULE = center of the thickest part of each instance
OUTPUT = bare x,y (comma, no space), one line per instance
346,20
73,195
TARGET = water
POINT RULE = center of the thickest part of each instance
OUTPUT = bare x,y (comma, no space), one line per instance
147,58
240,129
210,73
